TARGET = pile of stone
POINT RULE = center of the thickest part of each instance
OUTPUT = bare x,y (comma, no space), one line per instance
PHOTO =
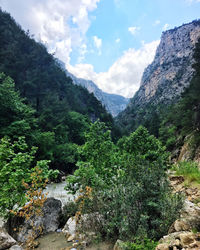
180,240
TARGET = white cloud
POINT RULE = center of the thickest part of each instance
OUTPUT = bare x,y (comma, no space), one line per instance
97,42
124,76
133,29
117,40
165,27
157,22
60,24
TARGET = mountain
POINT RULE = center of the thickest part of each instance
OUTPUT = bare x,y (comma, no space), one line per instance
62,111
113,103
36,73
164,80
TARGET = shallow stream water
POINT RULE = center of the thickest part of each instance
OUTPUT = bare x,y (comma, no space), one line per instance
57,191
57,241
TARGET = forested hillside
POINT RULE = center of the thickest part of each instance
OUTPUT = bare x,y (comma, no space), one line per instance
55,113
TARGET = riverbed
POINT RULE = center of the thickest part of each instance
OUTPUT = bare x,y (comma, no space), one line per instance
57,241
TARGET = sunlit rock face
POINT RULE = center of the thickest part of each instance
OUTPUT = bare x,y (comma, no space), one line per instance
171,71
166,78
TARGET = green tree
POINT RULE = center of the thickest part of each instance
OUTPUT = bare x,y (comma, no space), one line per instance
97,156
16,118
16,167
128,182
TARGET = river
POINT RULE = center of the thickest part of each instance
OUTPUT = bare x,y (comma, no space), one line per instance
57,191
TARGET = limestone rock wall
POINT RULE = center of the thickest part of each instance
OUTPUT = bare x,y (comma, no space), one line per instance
171,71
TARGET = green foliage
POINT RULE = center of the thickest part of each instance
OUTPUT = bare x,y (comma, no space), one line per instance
16,168
140,244
129,185
190,170
69,210
16,118
97,156
141,144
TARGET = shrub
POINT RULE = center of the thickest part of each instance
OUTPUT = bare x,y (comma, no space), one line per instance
130,189
138,244
69,210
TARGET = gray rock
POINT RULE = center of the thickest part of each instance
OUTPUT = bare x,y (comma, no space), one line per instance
119,245
49,222
16,247
6,241
70,227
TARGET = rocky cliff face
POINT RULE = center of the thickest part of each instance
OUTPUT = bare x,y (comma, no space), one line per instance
170,73
114,104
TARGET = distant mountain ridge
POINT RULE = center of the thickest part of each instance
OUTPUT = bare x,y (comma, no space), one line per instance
113,103
166,78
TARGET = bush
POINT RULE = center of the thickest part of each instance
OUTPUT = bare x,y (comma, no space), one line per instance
69,210
129,186
138,244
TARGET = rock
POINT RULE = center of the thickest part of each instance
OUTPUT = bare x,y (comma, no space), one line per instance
177,243
180,240
49,222
191,214
2,222
162,246
180,225
70,226
119,245
176,180
16,247
6,241
52,210
82,230
170,239
187,238
92,221
71,238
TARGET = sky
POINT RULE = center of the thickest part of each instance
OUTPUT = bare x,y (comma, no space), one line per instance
108,41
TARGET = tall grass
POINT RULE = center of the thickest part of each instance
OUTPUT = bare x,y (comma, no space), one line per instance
189,170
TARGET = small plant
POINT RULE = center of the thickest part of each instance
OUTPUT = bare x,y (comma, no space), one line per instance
138,244
189,170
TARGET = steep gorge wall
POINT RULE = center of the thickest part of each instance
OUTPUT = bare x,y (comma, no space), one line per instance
171,70
166,77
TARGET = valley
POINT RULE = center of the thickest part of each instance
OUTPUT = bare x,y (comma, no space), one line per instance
84,169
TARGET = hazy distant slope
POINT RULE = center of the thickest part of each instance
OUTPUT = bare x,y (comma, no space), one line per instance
113,103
